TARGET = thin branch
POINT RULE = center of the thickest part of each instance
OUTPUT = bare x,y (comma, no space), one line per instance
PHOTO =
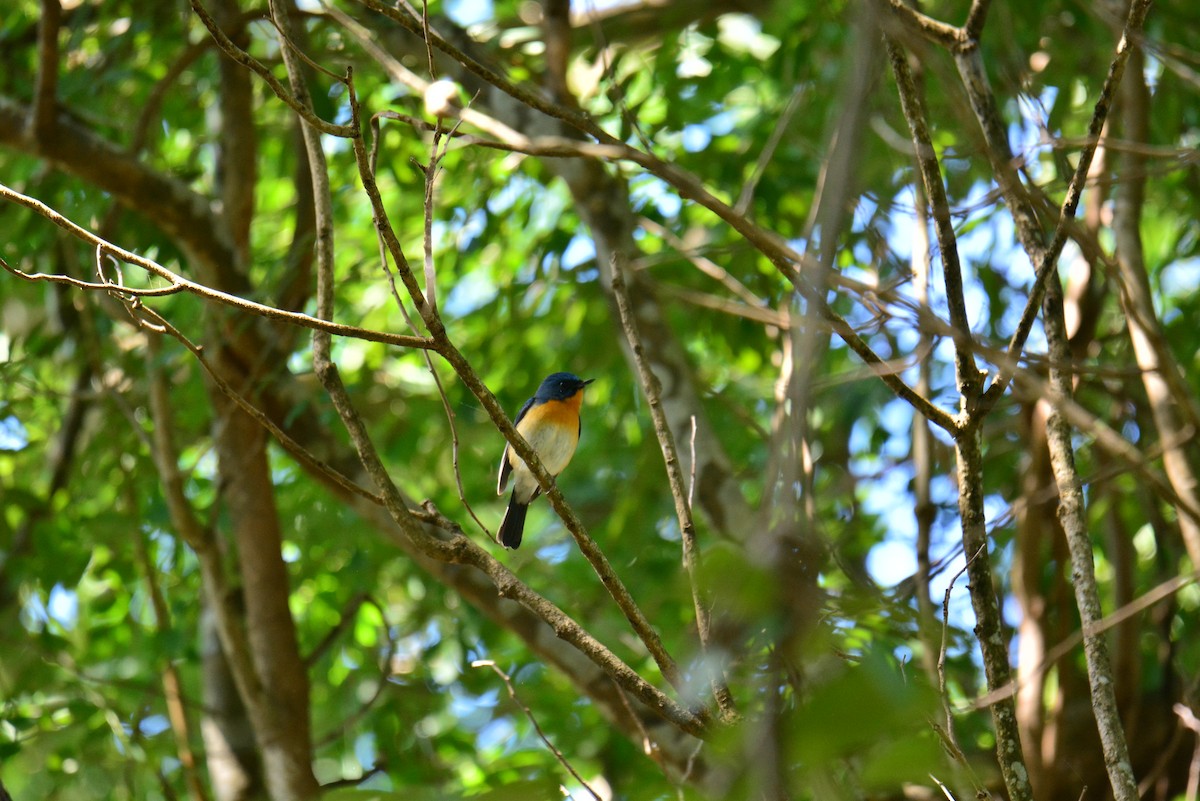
925,510
703,264
652,389
154,101
1187,718
976,17
432,170
989,628
746,196
941,660
1045,259
345,620
160,325
967,373
348,723
512,693
172,686
705,300
254,65
437,152
1159,593
927,27
179,283
1111,442
466,373
1072,514
769,243
1169,398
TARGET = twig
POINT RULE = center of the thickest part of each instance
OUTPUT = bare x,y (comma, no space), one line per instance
1169,398
946,731
989,629
160,325
345,619
770,244
426,37
976,17
431,171
929,28
941,662
1045,259
759,314
1072,510
703,264
967,374
172,687
466,373
1164,590
683,508
649,747
178,283
348,723
512,693
254,65
1188,720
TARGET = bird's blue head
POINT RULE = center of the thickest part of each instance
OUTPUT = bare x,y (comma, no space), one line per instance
560,386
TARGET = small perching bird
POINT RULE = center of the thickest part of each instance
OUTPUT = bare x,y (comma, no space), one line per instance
550,422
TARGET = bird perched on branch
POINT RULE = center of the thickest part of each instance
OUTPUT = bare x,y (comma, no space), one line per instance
549,421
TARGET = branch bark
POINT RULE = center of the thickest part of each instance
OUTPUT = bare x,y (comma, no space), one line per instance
1073,516
989,625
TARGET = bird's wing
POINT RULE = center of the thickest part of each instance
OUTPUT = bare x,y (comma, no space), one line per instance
505,465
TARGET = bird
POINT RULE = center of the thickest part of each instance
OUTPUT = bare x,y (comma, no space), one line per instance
550,423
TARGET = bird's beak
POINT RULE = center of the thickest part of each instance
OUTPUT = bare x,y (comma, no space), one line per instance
590,380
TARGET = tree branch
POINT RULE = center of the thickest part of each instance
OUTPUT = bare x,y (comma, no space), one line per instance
652,389
45,90
1045,259
914,111
254,65
1072,514
180,284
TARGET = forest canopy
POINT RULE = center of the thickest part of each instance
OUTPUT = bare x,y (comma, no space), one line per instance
886,478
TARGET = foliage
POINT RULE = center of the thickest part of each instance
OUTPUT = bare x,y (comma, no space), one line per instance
843,687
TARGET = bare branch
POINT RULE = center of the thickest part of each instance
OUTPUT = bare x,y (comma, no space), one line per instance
925,26
989,623
1159,593
251,63
179,283
976,18
172,686
1045,259
652,389
914,111
1072,515
512,693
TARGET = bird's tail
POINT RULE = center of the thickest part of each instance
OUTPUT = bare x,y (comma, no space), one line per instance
513,524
